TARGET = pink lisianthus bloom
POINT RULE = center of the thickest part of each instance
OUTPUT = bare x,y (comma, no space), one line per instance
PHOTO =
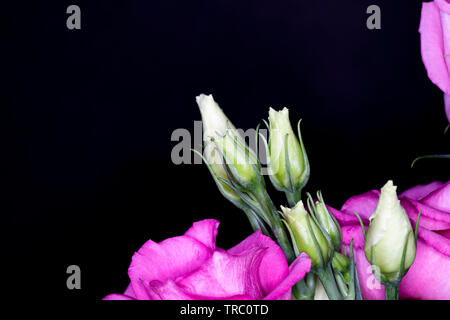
429,276
435,45
191,267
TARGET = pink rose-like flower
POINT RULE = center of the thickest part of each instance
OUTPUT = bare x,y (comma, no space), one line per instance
435,45
429,276
191,267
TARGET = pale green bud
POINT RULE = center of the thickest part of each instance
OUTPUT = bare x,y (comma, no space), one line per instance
287,161
239,158
225,151
308,236
329,223
389,232
342,264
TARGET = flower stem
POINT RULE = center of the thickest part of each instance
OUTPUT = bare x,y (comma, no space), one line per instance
329,283
293,197
391,292
276,225
283,240
305,288
255,222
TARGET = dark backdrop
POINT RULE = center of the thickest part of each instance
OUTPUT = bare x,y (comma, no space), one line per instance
88,117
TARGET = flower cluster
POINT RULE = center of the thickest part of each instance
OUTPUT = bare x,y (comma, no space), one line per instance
367,250
377,246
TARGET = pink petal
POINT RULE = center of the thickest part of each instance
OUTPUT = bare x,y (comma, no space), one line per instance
129,291
116,296
226,275
273,268
353,232
430,218
371,289
439,198
420,191
297,270
204,231
432,43
444,233
167,260
436,241
428,277
168,290
343,218
364,204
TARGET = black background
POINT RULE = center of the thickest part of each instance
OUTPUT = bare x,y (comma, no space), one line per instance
88,116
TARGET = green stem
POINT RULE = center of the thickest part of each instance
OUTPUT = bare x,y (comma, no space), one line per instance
283,240
278,227
329,283
255,222
391,292
293,197
305,288
266,205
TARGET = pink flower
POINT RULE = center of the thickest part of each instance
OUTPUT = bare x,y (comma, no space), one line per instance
435,45
191,267
429,276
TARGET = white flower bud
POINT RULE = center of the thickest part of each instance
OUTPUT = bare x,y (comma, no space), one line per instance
389,232
307,235
224,145
288,163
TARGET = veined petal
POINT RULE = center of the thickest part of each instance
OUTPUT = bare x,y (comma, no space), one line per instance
129,291
117,296
226,275
439,198
167,290
371,289
436,241
353,232
169,259
345,218
433,219
420,191
364,204
445,233
204,231
430,218
297,270
432,41
273,268
428,276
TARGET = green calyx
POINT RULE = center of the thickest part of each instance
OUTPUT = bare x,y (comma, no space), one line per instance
286,157
308,235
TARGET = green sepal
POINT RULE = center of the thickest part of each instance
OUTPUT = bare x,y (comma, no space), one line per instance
313,214
287,163
305,176
431,156
416,230
293,241
361,224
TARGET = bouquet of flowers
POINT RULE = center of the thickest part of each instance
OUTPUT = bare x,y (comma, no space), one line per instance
378,245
